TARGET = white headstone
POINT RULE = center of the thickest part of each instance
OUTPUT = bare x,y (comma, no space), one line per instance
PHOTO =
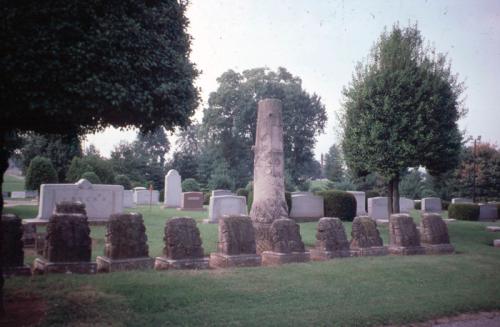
461,200
360,202
173,189
431,205
221,192
377,208
307,205
488,211
100,200
226,205
143,196
406,205
128,199
18,195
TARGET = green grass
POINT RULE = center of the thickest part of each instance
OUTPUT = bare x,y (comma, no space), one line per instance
12,183
345,292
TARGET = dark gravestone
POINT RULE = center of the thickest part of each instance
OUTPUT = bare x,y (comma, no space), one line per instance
331,240
236,246
68,246
434,234
12,247
286,243
366,238
404,236
126,244
183,246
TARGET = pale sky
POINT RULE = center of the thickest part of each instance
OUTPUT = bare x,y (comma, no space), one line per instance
321,42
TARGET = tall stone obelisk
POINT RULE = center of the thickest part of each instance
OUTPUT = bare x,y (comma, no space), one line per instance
269,201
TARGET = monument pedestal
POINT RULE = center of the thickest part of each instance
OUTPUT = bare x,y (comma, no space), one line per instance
163,263
270,258
371,251
438,248
105,264
17,271
221,260
43,266
406,250
320,255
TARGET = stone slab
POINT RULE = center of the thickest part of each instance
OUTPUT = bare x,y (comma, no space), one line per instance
163,263
307,206
192,201
406,205
382,221
221,260
377,208
226,205
493,228
461,200
432,205
16,271
496,243
105,264
101,201
128,199
406,250
368,252
173,189
142,196
360,202
319,255
438,248
42,266
270,258
221,193
488,211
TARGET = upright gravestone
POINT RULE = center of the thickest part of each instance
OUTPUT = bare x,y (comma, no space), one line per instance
461,200
128,199
225,206
286,244
434,234
236,246
377,208
192,201
68,246
366,238
431,205
360,202
173,189
12,246
404,236
331,240
269,202
126,245
306,207
406,205
183,247
488,211
143,196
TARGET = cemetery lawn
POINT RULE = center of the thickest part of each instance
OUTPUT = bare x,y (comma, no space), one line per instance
345,292
12,183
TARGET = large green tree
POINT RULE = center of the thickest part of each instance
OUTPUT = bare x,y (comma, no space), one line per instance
401,110
73,67
229,121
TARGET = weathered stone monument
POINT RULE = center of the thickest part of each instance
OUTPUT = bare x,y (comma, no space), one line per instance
286,244
377,208
307,207
360,202
269,187
331,240
488,211
68,245
406,205
173,189
192,201
226,205
12,246
434,234
143,196
183,247
236,246
101,201
366,240
404,236
126,245
431,205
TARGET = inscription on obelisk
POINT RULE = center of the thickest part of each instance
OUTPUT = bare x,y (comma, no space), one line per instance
269,201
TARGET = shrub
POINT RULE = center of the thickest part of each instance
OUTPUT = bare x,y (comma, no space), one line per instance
445,204
40,171
206,197
220,182
339,204
418,204
124,181
463,211
190,185
91,177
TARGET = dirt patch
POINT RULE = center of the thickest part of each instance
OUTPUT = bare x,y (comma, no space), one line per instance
23,309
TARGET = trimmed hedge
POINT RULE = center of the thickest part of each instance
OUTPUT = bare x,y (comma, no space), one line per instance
339,204
463,211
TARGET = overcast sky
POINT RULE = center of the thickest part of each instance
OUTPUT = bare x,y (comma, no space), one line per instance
321,42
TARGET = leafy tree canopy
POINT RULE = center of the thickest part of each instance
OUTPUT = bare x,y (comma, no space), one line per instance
40,171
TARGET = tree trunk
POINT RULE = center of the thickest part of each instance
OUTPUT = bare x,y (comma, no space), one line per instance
389,197
4,164
395,194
